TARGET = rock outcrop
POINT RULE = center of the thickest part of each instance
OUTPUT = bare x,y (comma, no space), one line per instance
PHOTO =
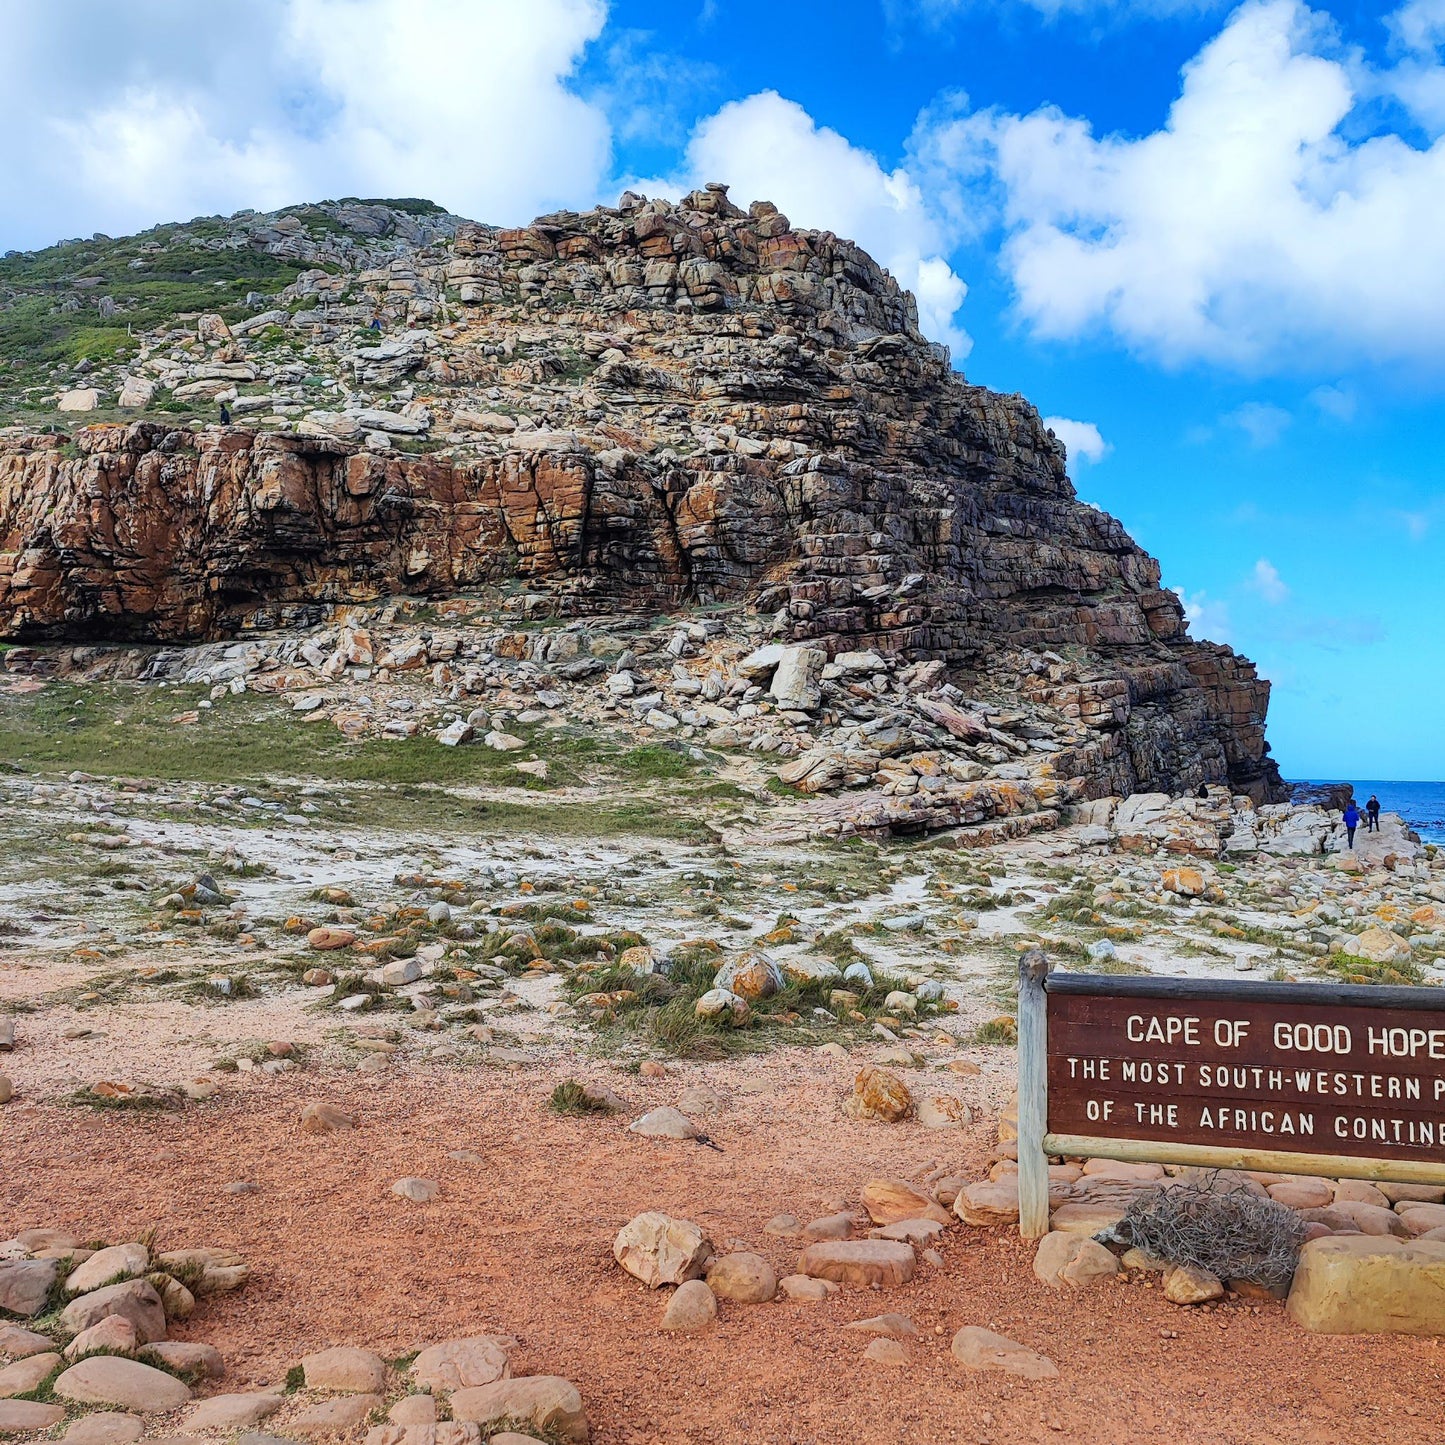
649,407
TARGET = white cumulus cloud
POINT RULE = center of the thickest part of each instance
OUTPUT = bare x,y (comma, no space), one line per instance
1266,222
1082,439
1261,421
770,148
123,116
1268,583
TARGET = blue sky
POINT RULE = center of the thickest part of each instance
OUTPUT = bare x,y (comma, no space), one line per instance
1210,240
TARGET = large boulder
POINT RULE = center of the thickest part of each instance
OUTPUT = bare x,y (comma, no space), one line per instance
797,680
878,1094
658,1249
1363,1284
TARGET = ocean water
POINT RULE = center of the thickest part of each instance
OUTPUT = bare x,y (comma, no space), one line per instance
1421,805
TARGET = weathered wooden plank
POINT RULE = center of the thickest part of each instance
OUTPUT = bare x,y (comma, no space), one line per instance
1327,1166
1351,995
1033,1095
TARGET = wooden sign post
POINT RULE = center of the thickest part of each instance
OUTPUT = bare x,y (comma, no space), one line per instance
1329,1079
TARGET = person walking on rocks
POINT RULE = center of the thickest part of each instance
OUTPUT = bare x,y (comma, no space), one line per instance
1352,821
1372,813
225,415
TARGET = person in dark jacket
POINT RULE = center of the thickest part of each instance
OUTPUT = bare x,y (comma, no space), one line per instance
1372,813
1352,821
225,415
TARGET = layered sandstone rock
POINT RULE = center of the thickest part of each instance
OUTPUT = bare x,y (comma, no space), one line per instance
649,406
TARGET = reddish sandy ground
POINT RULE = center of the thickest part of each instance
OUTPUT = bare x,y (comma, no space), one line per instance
520,1243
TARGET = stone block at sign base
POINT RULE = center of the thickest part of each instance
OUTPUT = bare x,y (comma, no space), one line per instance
1364,1284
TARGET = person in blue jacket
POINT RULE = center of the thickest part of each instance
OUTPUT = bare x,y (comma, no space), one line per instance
1352,821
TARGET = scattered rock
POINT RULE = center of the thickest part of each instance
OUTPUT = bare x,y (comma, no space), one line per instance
860,1262
805,1289
345,1368
1186,1285
878,1094
1074,1260
744,1278
658,1250
105,1266
547,1403
890,1200
664,1123
233,1412
463,1364
976,1348
419,1191
321,1118
25,1285
989,1202
105,1427
692,1307
190,1357
16,1342
18,1417
136,1300
114,1334
335,1417
896,1327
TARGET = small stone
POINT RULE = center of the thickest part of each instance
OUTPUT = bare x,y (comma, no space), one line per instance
325,940
786,1226
692,1307
830,1226
744,1277
16,1342
805,1289
889,1200
25,1285
190,1357
419,1191
976,1348
321,1118
345,1368
886,1352
1186,1285
135,1299
110,1380
878,1095
896,1327
7,1089
664,1123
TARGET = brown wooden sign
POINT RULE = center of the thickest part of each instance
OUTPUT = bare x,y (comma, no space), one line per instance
1294,1068
1328,1079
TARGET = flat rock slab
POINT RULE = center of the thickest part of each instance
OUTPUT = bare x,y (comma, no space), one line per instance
863,1262
1360,1284
891,1326
976,1348
24,1375
989,1202
890,1200
233,1412
110,1380
19,1417
547,1403
463,1364
105,1428
345,1368
342,1416
25,1284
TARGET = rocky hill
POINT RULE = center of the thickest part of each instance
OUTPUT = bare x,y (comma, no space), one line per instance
651,408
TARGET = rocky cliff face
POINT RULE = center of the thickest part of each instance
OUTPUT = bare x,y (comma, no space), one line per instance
651,407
